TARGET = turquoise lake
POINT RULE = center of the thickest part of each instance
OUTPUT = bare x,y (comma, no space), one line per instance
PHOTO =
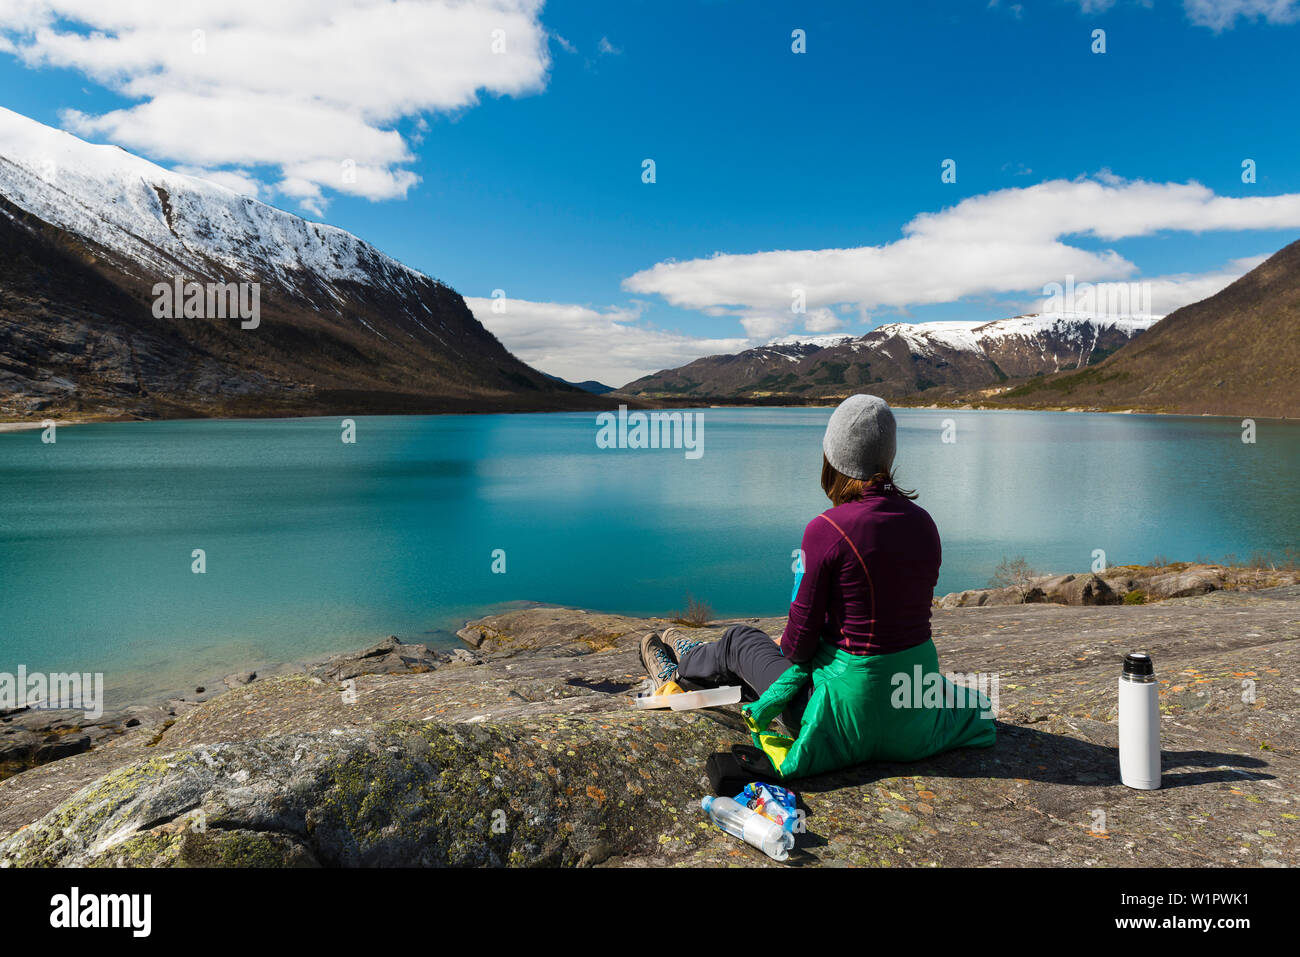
314,546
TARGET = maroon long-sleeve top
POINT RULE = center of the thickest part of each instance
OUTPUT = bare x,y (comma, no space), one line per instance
885,608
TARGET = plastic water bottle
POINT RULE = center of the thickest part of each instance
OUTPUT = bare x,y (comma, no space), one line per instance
1139,723
750,826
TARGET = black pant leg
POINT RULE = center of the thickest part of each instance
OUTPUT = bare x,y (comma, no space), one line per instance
717,662
746,656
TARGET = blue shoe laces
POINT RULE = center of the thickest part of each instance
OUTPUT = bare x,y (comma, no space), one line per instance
682,649
667,667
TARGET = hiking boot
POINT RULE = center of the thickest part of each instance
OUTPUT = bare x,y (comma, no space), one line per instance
679,642
658,660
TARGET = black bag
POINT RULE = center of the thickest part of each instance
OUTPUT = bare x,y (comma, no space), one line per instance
729,773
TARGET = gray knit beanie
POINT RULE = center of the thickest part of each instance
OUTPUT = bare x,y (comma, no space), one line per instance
860,439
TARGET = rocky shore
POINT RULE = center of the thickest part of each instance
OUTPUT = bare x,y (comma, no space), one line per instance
30,737
1124,584
524,748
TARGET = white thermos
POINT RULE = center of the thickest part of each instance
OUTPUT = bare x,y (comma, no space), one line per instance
1139,723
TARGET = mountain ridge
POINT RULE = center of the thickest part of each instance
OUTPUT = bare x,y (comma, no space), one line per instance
1234,353
899,359
89,231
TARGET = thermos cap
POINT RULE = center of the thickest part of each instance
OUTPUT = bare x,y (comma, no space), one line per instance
1138,664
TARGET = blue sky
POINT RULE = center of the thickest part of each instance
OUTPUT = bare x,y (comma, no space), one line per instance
523,172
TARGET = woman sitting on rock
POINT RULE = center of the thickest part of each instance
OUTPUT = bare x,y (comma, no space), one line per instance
855,676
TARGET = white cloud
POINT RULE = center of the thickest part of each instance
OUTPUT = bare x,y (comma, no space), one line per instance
610,345
1174,292
1218,15
1011,240
1222,14
823,320
1015,9
307,193
765,325
579,342
606,48
1171,292
762,325
238,180
303,86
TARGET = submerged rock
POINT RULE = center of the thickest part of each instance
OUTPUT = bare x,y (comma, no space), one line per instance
57,746
30,737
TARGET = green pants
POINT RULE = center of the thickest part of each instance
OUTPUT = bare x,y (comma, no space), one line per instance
895,707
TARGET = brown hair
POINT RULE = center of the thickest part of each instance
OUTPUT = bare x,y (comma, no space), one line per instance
840,488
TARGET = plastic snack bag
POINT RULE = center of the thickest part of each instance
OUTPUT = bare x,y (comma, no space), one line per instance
772,801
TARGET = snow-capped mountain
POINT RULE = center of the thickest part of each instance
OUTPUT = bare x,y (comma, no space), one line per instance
89,234
160,221
1020,345
821,342
901,358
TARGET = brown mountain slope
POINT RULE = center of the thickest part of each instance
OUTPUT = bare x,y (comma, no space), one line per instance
93,240
1236,353
78,338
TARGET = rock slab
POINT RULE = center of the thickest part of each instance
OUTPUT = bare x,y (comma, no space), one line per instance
530,752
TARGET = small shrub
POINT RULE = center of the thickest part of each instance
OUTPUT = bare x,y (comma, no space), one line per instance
696,615
1136,597
1262,560
1160,561
1014,573
1288,561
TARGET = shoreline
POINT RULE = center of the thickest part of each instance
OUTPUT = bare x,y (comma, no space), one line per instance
966,407
1128,585
1173,580
26,425
388,755
16,425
